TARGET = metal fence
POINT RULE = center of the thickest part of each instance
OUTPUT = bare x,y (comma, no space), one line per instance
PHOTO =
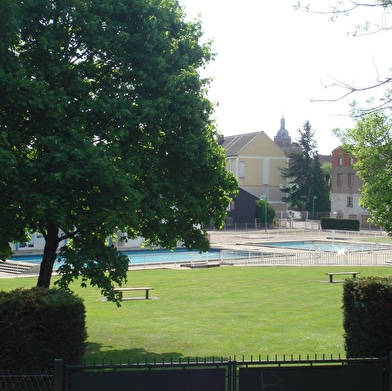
254,374
247,248
284,222
310,258
39,380
302,233
295,373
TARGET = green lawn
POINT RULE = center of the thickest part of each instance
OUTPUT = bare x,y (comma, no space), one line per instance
218,312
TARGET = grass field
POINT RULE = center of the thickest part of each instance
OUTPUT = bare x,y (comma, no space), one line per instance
218,312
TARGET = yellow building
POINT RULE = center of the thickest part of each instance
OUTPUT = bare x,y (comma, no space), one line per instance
256,160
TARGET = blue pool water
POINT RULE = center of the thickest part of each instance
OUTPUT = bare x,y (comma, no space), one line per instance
325,246
137,257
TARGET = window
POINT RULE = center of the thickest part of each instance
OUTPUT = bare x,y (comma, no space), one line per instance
351,161
241,170
231,206
350,202
340,161
351,180
340,179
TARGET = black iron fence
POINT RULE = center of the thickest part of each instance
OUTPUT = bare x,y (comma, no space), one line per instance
255,374
38,380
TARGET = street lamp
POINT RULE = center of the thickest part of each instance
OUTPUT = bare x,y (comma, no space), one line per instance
264,197
314,197
290,186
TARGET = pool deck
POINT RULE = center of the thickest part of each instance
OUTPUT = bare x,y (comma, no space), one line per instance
249,240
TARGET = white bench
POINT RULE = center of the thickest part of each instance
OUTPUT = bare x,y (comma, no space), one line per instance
146,289
354,274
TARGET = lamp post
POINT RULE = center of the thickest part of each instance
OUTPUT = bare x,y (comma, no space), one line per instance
290,186
314,197
264,197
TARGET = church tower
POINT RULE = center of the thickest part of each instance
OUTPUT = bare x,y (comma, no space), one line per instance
282,138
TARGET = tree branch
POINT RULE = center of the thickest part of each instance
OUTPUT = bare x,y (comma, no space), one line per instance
69,235
351,89
336,11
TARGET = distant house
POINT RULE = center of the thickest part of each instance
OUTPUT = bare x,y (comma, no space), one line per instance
242,210
345,189
256,160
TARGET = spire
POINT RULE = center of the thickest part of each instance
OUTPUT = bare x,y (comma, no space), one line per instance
282,132
282,123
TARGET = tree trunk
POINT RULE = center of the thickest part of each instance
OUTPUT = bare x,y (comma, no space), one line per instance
50,254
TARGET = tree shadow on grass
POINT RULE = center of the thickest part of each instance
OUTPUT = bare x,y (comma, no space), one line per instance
96,354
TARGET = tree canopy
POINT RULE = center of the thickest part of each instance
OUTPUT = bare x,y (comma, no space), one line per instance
305,172
370,144
105,127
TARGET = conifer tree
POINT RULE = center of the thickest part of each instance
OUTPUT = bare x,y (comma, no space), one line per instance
304,170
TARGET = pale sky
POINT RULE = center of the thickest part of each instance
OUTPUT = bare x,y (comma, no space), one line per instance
272,61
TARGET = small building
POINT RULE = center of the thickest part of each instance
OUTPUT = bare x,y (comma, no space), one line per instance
242,210
345,189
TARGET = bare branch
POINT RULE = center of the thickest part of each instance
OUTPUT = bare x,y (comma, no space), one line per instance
336,11
385,103
350,89
347,90
367,28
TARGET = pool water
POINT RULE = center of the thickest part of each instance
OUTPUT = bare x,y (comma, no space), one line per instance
325,246
167,256
137,257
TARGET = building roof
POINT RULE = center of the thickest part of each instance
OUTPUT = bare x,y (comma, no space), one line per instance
234,144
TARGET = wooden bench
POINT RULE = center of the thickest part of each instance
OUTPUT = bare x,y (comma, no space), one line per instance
354,274
134,289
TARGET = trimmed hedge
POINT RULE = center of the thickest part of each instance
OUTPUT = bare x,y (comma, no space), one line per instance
39,325
367,316
340,224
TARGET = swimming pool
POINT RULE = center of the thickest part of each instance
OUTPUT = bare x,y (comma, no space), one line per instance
141,257
314,245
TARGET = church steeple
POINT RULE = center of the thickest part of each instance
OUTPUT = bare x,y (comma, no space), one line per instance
282,132
282,138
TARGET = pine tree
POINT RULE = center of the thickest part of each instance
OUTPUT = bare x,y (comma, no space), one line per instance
304,169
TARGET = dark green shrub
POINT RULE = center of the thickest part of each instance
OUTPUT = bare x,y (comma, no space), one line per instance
340,224
39,325
261,206
367,316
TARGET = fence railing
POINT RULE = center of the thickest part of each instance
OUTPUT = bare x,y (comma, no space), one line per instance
276,373
284,221
294,372
300,233
310,258
312,248
39,380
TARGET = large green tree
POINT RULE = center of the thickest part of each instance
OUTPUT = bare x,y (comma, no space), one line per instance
370,142
105,127
305,172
